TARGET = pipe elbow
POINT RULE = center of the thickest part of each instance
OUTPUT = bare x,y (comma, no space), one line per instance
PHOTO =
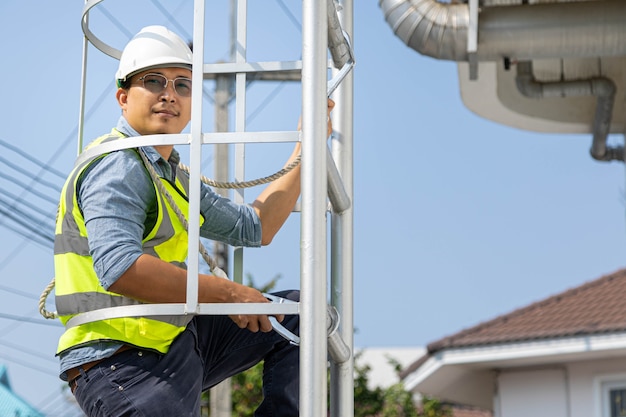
434,29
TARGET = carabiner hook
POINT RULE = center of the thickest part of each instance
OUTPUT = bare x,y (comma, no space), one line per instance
279,328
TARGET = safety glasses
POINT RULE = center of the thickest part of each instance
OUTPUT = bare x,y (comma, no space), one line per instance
156,83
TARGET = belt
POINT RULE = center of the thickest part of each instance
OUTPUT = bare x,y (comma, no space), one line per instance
75,373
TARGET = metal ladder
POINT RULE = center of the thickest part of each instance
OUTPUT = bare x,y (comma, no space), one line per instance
322,31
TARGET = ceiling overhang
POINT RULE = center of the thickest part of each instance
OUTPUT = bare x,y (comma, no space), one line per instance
466,375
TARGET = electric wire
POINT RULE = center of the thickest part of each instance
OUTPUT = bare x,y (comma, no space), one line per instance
116,22
33,239
32,207
24,223
27,189
290,15
32,159
18,292
22,319
28,365
179,28
27,173
44,228
28,351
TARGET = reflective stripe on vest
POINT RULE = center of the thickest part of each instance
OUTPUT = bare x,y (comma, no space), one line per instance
78,289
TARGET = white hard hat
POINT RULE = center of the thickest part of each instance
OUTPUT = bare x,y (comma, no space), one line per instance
153,47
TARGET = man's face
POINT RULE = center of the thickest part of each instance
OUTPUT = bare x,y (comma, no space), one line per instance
151,113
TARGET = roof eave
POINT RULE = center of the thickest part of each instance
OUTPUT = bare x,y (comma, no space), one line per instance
467,374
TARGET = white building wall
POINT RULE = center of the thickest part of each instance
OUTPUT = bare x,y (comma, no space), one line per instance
536,393
382,373
576,389
587,380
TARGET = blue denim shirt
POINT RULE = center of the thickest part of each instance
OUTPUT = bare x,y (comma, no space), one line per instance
114,196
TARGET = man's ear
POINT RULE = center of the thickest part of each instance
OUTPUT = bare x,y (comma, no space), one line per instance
122,97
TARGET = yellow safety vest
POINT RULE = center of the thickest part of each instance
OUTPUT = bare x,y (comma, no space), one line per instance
77,287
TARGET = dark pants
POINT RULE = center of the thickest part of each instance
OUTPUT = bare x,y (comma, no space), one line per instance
211,349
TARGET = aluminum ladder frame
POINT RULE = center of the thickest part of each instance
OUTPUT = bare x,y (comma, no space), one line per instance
322,30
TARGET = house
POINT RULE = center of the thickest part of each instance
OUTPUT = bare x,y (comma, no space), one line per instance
382,360
10,404
564,356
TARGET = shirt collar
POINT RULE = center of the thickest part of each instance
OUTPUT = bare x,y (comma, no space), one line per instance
126,129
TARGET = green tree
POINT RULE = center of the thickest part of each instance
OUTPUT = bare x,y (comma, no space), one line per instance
393,401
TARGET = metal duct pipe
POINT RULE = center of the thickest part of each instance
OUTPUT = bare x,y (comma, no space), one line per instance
600,87
547,30
338,43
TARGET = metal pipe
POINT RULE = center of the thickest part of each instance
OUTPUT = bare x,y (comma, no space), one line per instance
547,30
600,87
195,158
83,89
340,49
342,282
336,191
313,350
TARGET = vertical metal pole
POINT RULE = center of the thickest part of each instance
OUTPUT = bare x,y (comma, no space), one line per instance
83,87
342,292
313,350
195,156
240,121
221,394
221,403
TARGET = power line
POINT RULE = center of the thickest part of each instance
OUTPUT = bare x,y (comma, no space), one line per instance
32,159
29,238
30,320
116,22
173,21
27,189
27,173
290,15
34,230
28,351
46,215
28,365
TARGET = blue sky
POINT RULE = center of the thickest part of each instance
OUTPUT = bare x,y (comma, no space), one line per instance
456,219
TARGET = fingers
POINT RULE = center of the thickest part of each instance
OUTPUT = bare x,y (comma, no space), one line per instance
331,106
253,323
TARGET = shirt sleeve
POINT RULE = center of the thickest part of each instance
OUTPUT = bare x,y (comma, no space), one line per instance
228,222
114,196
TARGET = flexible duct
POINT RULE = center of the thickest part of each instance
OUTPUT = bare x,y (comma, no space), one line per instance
547,30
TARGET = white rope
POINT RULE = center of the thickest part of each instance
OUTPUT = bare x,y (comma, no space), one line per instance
42,302
246,184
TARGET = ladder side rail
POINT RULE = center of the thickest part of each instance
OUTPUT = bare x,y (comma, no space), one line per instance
240,53
83,92
195,159
339,198
342,239
313,349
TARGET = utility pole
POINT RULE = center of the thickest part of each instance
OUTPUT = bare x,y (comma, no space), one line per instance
221,395
221,405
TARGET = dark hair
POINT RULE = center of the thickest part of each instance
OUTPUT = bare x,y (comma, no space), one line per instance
125,84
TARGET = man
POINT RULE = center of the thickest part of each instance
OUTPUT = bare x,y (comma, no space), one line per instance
119,242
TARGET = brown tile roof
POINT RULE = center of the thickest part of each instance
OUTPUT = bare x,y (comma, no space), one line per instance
596,307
